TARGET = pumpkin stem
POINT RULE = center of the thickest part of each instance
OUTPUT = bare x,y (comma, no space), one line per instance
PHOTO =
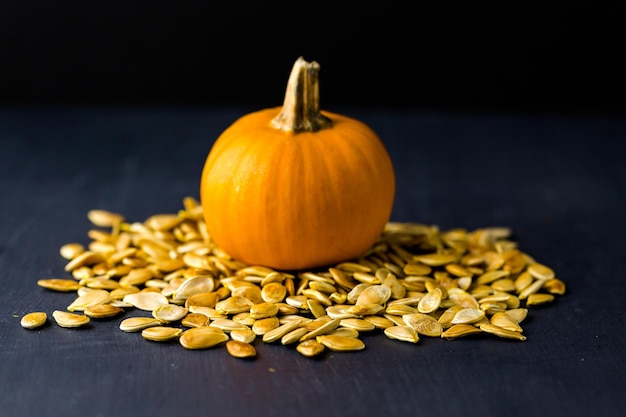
301,108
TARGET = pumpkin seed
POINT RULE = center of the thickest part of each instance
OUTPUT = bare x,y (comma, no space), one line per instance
240,349
71,250
195,320
227,325
169,312
274,292
500,332
537,299
263,310
294,336
402,333
34,320
135,324
468,316
262,326
67,319
146,300
277,333
424,324
357,324
540,271
310,348
100,311
59,284
104,218
341,343
503,320
161,333
325,328
243,335
460,330
202,338
90,298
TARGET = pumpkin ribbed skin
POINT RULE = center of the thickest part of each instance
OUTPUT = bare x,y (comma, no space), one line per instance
295,200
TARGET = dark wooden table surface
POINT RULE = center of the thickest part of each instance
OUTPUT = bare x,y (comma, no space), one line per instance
559,182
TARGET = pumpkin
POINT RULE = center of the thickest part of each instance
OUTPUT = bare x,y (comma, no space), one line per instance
294,187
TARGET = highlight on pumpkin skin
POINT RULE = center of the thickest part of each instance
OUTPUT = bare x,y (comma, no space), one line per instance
297,198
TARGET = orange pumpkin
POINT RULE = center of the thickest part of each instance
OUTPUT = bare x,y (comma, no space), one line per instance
294,187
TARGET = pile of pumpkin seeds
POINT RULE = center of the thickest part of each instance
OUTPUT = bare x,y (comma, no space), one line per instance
415,282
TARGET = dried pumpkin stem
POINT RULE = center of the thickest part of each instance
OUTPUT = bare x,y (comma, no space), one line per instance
301,108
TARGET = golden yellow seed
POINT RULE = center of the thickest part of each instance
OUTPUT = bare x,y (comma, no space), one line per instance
69,320
34,320
540,271
240,349
539,298
102,311
59,284
460,330
71,250
310,348
202,338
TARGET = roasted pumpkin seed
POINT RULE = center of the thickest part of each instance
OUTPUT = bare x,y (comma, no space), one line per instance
34,320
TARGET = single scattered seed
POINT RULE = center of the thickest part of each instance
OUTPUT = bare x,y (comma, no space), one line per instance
540,271
325,328
274,292
243,335
146,300
202,338
341,343
263,310
34,320
460,330
500,332
263,326
517,314
59,284
240,349
135,324
67,319
227,325
277,333
195,320
161,333
194,285
402,333
554,286
539,298
71,250
87,258
344,331
163,221
431,301
169,312
104,218
89,299
503,320
357,324
468,316
310,348
294,336
424,324
436,259
100,311
379,321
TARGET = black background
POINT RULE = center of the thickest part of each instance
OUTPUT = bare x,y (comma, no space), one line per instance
553,56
